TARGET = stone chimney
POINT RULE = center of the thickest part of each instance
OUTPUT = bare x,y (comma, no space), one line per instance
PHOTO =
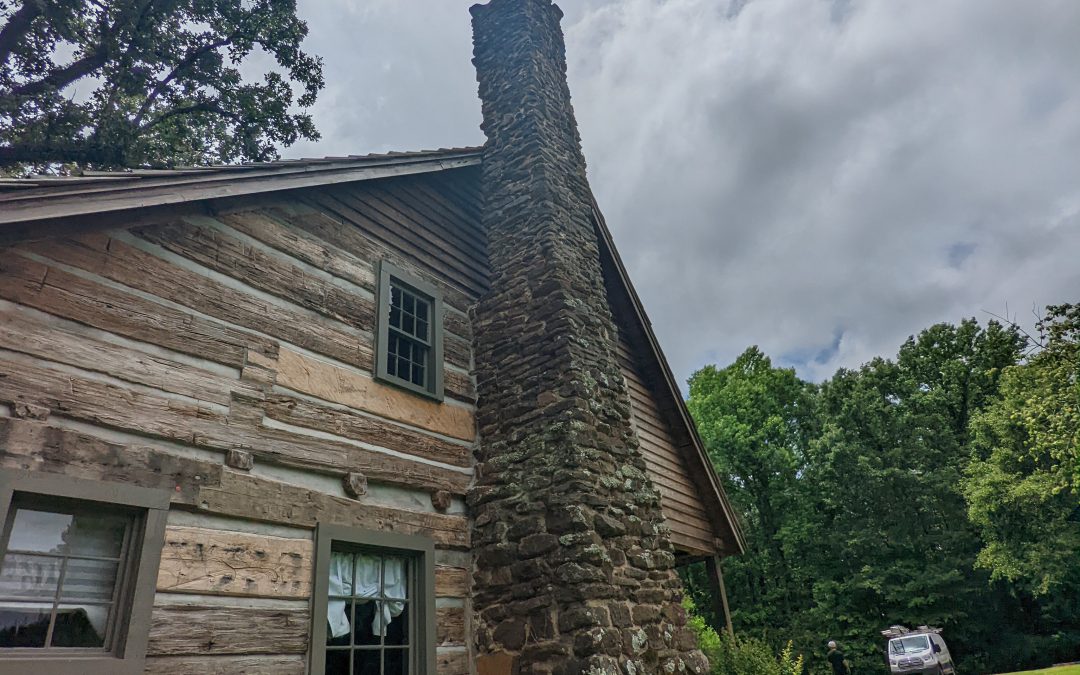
574,568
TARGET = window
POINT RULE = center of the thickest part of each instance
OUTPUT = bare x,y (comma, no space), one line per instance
374,603
409,343
78,563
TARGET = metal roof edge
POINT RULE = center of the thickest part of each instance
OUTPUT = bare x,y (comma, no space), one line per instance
189,186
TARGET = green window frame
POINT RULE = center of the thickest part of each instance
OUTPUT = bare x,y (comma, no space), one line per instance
418,552
142,513
409,338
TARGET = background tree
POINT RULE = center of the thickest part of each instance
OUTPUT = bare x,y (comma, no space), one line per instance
109,83
756,422
1023,485
852,495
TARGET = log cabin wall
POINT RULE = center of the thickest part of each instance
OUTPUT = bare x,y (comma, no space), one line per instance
228,357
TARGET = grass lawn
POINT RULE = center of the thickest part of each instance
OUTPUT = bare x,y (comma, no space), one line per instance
1060,670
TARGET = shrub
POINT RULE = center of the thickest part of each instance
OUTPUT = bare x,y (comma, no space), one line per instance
746,656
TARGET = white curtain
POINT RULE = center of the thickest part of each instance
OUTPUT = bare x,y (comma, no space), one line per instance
357,575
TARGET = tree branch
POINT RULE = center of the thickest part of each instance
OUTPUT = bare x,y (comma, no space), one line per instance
204,106
61,77
188,61
18,25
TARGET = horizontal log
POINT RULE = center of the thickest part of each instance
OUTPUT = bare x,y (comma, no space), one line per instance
228,255
180,630
218,562
338,385
226,665
458,324
27,444
57,292
254,498
450,626
453,661
190,423
133,267
265,227
457,351
451,582
302,413
72,344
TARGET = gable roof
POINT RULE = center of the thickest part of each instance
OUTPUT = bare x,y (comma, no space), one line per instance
28,204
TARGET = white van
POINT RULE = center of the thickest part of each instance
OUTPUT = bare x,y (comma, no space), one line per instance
922,652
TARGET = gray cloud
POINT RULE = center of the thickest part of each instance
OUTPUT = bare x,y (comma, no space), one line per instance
819,178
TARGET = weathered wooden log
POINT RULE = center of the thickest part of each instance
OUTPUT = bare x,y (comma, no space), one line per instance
219,562
177,630
55,291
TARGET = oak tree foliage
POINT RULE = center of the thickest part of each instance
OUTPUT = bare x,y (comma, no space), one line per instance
125,83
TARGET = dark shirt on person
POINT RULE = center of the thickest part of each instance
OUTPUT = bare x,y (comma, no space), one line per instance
836,659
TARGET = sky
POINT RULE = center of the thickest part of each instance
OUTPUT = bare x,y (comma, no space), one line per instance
821,178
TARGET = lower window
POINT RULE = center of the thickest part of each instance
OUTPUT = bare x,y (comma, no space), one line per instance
78,560
374,603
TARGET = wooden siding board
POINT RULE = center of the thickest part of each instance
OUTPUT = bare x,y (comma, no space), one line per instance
339,206
681,502
414,233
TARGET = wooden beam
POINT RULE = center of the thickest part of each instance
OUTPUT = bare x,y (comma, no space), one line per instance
719,594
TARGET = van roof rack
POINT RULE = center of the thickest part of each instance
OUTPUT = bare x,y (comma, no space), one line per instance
900,631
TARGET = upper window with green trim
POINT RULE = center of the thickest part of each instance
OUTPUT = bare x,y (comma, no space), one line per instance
409,344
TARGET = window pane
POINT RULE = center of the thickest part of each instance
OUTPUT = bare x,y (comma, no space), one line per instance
421,309
24,624
92,580
422,330
337,662
418,375
397,630
97,535
80,626
409,303
366,662
29,576
395,296
408,324
39,531
395,578
396,662
364,628
395,317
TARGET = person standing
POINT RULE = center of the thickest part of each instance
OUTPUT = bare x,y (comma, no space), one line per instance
837,660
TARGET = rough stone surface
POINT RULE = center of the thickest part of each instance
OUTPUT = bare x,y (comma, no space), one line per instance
573,566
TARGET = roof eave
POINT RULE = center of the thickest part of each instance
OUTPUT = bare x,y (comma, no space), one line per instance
41,205
669,378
